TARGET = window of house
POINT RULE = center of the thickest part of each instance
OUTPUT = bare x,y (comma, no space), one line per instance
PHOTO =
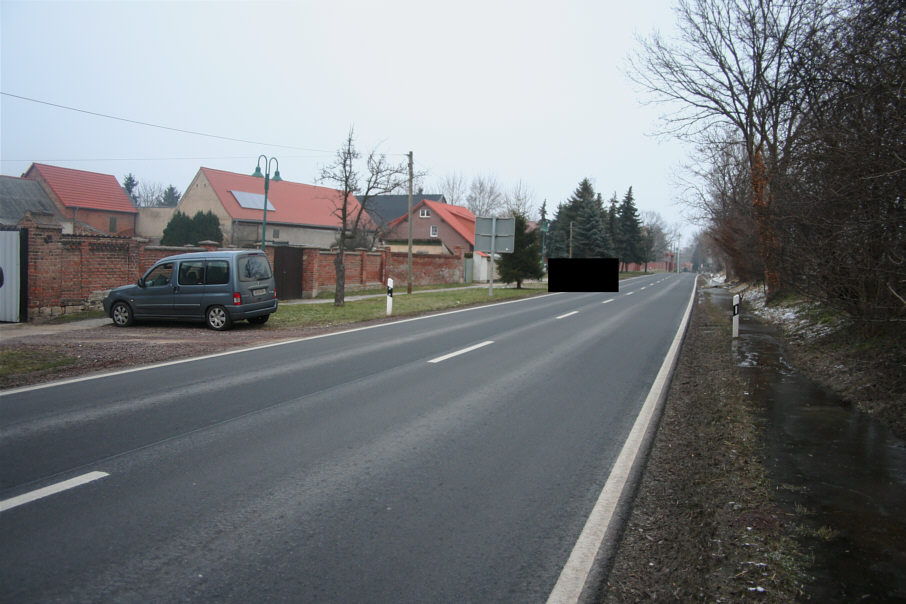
424,213
112,228
276,233
434,230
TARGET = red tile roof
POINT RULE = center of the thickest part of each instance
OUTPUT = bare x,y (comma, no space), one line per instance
461,219
293,203
80,189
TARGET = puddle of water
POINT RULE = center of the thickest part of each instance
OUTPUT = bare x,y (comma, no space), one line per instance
844,468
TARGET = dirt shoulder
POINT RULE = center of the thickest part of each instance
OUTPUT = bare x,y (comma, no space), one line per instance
704,525
107,348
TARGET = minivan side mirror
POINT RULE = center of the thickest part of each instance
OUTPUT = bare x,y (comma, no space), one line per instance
141,282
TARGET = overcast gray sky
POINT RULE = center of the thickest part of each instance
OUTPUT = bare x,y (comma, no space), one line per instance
530,90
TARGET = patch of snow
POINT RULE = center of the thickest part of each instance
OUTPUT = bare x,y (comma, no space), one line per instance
792,318
718,279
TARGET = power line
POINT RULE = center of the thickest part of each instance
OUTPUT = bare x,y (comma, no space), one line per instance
150,125
45,159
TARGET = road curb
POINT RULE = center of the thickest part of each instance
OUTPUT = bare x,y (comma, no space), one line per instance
593,551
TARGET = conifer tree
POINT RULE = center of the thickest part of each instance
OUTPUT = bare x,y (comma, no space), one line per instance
568,217
629,231
178,231
612,217
525,261
182,230
591,239
206,227
170,197
129,185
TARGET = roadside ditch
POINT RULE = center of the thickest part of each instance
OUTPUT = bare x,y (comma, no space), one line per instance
761,485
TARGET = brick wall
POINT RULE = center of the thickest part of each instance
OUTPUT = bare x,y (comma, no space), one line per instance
364,270
427,269
123,224
371,269
653,267
70,273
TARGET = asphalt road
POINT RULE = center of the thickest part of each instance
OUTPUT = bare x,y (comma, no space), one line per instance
366,466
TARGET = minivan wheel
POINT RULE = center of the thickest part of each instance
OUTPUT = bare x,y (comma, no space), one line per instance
217,318
260,320
121,313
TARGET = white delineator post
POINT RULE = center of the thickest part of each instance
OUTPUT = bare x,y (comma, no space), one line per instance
736,316
389,296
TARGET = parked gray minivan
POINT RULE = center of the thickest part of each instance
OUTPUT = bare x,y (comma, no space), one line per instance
215,287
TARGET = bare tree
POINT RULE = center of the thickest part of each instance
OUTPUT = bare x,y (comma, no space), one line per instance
353,195
485,197
844,216
150,195
520,201
738,64
722,199
655,237
453,188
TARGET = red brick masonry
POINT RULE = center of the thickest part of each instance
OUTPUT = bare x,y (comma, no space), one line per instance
68,273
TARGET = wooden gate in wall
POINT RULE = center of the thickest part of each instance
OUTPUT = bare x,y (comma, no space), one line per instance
288,272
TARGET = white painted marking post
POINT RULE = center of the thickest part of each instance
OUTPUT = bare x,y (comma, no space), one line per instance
736,316
389,296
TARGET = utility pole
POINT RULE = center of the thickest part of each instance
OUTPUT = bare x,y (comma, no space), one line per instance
493,251
409,262
570,239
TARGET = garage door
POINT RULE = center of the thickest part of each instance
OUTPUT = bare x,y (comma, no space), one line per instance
10,272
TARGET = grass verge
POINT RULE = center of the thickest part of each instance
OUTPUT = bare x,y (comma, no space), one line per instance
326,315
705,525
20,362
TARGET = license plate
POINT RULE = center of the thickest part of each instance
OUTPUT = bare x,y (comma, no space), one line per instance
259,291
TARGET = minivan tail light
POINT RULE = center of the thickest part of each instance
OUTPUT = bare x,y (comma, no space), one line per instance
237,299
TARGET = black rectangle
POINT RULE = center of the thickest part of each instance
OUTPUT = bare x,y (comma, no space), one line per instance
583,274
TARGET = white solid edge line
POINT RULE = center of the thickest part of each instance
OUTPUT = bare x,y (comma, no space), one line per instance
569,314
53,489
97,376
572,578
459,352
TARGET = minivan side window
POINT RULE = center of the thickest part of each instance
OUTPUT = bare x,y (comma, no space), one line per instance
191,272
218,272
254,268
159,275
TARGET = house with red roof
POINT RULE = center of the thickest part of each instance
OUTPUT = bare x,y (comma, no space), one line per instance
92,201
452,226
297,214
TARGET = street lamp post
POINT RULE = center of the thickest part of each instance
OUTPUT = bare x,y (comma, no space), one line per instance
267,182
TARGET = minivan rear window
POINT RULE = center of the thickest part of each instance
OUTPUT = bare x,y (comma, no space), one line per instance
254,268
218,272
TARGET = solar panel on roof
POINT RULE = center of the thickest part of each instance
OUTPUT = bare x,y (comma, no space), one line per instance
252,201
